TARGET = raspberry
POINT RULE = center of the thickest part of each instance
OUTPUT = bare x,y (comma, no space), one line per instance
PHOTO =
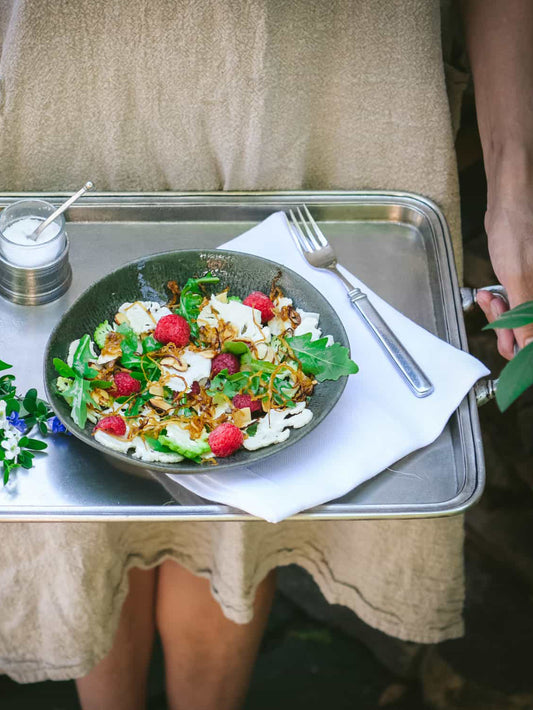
173,329
259,300
125,385
225,361
225,439
241,401
112,425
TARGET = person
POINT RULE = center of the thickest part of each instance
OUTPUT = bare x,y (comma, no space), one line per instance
257,94
500,42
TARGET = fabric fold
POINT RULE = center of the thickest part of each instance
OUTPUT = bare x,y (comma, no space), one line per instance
377,420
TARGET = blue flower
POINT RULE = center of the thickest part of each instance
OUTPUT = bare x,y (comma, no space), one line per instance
17,422
56,426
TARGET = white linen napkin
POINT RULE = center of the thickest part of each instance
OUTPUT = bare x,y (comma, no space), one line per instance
377,420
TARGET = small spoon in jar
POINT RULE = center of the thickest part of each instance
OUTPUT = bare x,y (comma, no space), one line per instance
35,234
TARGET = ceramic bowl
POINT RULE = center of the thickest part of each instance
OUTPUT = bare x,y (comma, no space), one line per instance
146,279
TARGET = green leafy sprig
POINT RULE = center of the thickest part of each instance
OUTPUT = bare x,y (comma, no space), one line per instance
19,414
517,376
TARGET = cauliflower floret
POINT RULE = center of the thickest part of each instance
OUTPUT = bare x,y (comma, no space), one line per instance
199,369
245,319
143,316
273,427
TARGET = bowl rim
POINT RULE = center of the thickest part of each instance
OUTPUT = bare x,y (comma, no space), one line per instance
222,464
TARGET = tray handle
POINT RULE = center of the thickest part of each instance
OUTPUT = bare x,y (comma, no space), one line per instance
484,390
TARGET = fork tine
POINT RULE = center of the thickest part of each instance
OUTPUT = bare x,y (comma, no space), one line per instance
315,244
318,232
298,235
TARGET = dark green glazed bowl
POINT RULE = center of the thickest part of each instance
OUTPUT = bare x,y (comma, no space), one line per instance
146,280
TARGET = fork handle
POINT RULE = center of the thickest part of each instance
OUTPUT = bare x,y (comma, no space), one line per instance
413,375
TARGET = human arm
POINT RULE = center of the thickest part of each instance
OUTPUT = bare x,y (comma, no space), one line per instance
499,38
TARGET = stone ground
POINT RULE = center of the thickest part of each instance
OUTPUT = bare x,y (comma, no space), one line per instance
315,656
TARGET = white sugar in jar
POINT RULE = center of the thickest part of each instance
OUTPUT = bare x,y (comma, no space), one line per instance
18,221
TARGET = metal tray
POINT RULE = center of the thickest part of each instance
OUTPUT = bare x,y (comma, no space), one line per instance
396,243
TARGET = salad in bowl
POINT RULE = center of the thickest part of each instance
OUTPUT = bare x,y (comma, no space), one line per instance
201,377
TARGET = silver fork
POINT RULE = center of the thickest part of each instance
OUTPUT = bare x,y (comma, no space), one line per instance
320,254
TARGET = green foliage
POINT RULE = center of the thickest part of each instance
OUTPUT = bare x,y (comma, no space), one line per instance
149,344
229,385
62,368
25,412
517,375
252,429
515,318
81,358
325,362
191,297
78,394
78,391
35,411
142,367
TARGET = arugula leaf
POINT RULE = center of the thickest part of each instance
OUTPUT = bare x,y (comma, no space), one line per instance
81,358
130,361
62,368
191,297
150,343
101,384
135,407
145,367
150,369
130,342
4,365
128,346
252,429
79,394
323,361
229,385
186,412
257,365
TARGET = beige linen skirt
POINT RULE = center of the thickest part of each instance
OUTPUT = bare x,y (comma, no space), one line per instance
231,95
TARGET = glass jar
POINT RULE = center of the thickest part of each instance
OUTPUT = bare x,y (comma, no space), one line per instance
18,221
33,272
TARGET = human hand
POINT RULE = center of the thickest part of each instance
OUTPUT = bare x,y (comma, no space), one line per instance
510,234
